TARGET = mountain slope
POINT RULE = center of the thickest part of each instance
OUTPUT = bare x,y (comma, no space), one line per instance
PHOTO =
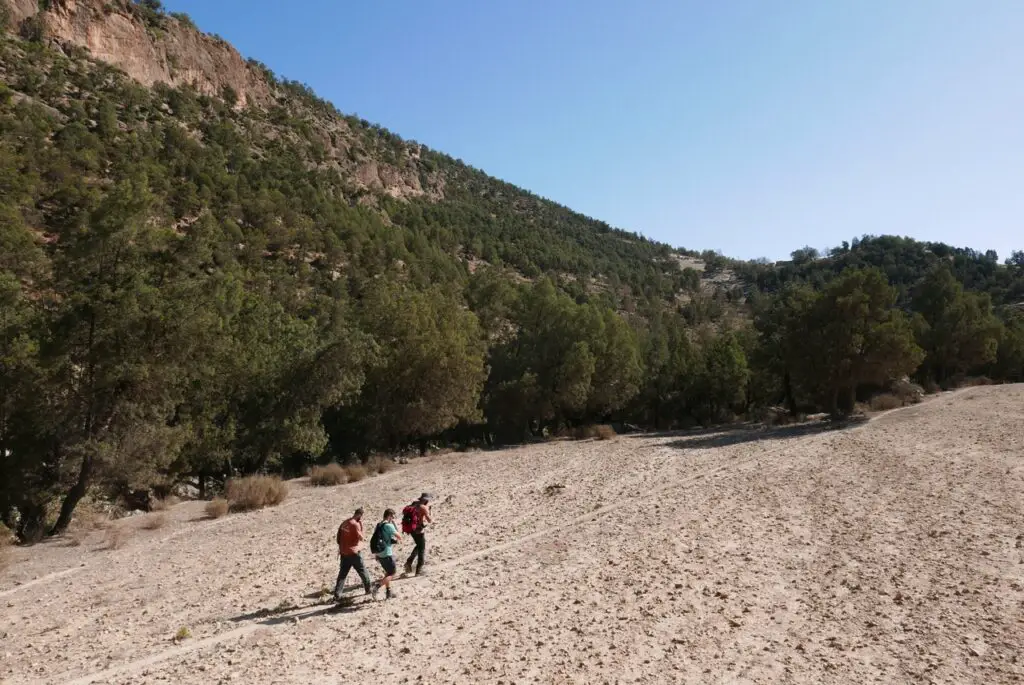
483,218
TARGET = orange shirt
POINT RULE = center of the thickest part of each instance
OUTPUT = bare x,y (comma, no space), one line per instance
350,537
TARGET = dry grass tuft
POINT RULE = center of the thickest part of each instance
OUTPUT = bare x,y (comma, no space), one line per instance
256,492
380,464
885,402
325,476
182,634
602,432
216,508
356,473
157,504
90,517
154,521
115,538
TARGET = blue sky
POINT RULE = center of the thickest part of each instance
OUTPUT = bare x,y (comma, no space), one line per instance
745,126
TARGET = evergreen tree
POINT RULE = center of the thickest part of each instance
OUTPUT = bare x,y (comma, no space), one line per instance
957,330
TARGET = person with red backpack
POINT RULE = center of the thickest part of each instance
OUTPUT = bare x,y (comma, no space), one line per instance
350,539
414,517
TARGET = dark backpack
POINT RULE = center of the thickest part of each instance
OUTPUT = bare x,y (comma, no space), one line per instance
377,542
411,518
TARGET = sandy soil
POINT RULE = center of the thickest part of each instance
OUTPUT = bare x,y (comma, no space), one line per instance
890,552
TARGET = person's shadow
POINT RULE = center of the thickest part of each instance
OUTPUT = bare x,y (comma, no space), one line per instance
289,614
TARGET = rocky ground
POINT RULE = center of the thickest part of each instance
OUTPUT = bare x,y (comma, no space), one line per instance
886,552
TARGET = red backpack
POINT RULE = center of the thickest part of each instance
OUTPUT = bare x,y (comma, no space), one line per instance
411,518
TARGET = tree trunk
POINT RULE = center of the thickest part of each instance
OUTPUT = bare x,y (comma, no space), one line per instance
787,384
74,496
833,403
202,485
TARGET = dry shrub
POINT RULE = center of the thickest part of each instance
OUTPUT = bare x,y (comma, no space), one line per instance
380,464
216,508
157,504
975,381
602,432
154,522
115,538
885,402
356,473
324,476
89,519
908,392
931,387
255,492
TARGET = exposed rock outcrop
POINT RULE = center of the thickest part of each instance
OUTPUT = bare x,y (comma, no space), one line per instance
173,52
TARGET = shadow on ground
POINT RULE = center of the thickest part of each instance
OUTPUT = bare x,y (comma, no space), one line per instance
288,614
706,439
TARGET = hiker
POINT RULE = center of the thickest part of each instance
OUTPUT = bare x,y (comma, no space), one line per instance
414,517
350,539
384,536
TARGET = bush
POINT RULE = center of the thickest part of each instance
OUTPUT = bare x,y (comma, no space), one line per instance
907,392
89,517
602,432
216,508
157,504
154,521
885,402
380,464
356,473
332,474
255,492
115,538
6,540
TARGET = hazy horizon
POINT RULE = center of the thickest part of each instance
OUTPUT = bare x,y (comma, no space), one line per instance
745,128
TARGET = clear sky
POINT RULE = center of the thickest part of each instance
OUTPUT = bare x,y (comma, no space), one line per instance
746,126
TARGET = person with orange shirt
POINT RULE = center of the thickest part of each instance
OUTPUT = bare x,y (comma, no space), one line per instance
350,540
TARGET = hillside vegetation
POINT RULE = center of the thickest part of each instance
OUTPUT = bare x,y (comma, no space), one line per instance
194,289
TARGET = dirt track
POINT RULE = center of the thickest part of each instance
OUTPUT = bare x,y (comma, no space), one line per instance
890,552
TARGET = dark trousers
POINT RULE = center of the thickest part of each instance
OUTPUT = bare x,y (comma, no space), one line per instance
349,562
419,553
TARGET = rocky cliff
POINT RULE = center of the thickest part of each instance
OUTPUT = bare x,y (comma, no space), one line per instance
153,47
170,50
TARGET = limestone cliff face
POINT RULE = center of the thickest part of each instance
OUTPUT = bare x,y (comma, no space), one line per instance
175,53
154,48
21,9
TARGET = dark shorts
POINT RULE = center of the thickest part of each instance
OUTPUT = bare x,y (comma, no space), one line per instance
388,564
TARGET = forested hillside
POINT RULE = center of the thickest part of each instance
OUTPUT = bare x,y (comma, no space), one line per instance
196,287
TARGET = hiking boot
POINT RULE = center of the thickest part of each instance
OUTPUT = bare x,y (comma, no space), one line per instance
389,595
376,589
408,568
